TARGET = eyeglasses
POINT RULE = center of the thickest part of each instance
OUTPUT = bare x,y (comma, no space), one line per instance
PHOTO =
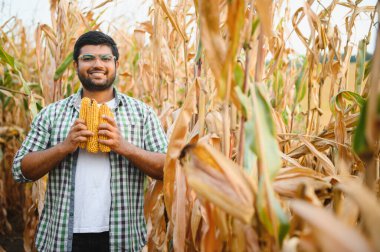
90,58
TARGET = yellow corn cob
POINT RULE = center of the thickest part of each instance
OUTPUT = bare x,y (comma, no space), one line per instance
84,107
104,110
92,119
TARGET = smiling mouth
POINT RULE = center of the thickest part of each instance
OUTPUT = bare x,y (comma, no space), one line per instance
97,74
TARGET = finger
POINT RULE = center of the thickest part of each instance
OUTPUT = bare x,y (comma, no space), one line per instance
106,126
84,133
81,139
79,127
87,133
106,133
111,120
108,142
79,121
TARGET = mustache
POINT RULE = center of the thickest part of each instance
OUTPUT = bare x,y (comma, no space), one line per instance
97,70
88,84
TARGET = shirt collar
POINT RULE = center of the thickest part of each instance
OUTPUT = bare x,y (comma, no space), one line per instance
77,97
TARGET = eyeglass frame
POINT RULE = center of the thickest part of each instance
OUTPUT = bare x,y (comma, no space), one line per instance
96,56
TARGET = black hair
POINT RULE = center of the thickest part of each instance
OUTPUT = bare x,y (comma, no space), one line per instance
94,38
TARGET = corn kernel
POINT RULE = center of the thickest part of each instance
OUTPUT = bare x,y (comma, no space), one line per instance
92,125
84,108
104,110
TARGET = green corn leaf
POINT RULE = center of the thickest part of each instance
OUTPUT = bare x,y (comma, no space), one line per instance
335,103
359,141
33,107
301,84
250,158
255,24
39,106
368,68
263,127
278,87
239,76
244,102
5,57
6,102
266,130
25,85
69,90
61,69
5,92
280,225
360,65
262,207
283,221
360,144
199,51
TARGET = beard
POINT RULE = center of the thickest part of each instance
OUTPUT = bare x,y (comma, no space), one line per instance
91,86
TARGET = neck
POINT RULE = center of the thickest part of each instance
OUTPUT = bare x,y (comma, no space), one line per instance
99,96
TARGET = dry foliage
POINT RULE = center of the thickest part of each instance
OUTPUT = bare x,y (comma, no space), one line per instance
256,160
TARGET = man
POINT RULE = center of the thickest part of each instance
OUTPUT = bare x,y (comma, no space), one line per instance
94,202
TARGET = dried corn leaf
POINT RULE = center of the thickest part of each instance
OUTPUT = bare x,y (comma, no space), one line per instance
195,222
265,11
219,180
289,180
177,141
179,210
154,212
209,240
212,41
325,161
172,19
331,234
368,205
50,34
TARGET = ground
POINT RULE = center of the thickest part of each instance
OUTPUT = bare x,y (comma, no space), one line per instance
13,242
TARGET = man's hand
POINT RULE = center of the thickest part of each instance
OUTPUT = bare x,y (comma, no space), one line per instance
78,134
115,140
36,164
150,163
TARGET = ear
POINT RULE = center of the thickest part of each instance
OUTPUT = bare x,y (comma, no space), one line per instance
116,65
75,65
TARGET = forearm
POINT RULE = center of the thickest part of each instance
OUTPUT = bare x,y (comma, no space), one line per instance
35,165
151,163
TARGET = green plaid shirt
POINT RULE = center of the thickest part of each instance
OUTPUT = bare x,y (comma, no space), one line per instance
138,124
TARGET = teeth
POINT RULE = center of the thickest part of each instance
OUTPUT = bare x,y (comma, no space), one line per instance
97,74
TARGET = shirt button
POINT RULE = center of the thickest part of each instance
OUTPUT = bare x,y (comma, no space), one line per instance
71,214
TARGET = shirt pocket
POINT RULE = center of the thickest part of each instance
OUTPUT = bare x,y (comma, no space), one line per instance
133,132
61,128
58,134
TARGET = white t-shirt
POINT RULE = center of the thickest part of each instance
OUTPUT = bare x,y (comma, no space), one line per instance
92,191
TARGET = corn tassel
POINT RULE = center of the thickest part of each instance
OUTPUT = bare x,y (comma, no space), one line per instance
92,125
84,108
104,110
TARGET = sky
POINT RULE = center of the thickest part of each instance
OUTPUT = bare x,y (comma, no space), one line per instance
37,11
33,12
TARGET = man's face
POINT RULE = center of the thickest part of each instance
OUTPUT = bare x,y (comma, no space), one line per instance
96,67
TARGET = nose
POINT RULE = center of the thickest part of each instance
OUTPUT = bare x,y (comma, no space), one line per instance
98,62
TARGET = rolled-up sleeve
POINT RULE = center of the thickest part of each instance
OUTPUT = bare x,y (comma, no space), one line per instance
36,140
155,138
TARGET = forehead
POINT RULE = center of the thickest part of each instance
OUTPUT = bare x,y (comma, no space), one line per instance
95,49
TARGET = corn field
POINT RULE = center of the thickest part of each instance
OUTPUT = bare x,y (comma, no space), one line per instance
268,150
